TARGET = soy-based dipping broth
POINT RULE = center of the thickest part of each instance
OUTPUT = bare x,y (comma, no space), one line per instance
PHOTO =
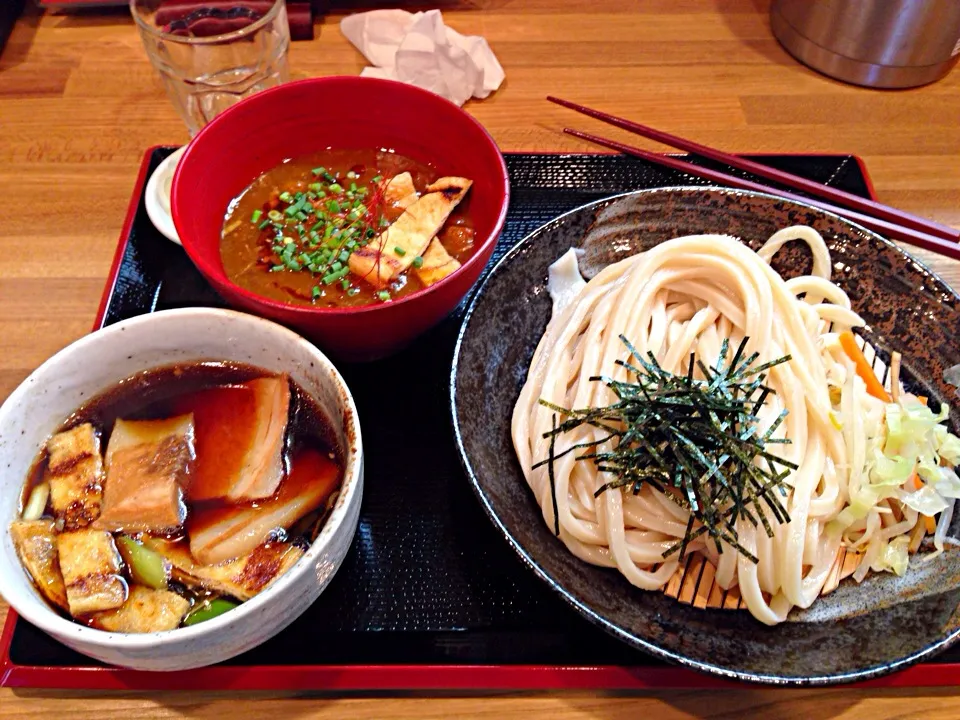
176,496
328,229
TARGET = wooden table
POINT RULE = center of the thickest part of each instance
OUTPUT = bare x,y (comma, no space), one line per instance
79,104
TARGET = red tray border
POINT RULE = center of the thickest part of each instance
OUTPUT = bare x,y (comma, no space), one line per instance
343,678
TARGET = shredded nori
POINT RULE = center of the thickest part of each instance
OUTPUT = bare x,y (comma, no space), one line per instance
700,436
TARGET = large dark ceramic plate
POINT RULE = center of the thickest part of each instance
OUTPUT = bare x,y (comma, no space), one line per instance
856,632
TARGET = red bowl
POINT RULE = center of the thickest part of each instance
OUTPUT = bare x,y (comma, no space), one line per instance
303,117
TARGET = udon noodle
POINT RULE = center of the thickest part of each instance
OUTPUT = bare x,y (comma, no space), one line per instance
686,296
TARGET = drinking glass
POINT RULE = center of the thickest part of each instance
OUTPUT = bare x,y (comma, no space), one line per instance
213,53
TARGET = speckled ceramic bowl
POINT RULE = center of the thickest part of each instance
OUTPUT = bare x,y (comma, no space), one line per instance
98,361
855,633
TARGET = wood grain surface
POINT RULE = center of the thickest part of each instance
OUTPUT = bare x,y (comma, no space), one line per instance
79,103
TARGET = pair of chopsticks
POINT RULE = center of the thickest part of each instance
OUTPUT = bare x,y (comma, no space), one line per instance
890,222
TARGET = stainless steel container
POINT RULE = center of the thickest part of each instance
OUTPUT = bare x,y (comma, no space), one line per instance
878,43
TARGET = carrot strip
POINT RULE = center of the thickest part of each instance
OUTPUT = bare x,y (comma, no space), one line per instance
915,481
930,524
922,399
849,344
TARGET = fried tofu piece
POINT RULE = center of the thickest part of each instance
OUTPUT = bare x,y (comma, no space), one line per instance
36,544
147,460
91,566
241,578
437,264
395,249
71,446
240,432
400,191
146,610
222,533
75,474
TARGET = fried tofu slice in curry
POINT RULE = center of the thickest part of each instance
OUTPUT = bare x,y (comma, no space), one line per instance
75,474
91,566
36,544
437,264
400,191
147,461
146,610
395,249
242,578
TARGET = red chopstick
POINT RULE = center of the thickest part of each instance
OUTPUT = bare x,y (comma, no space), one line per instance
839,197
888,229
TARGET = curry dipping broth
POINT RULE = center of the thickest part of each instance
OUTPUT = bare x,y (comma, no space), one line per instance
180,439
289,236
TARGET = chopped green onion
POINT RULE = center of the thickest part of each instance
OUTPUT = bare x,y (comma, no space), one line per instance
301,216
345,284
255,218
384,222
351,244
321,194
383,295
263,225
351,175
319,171
336,266
315,292
287,240
311,195
344,255
286,197
37,502
146,566
316,226
336,275
400,251
328,232
275,215
370,232
418,262
353,186
316,187
353,291
333,206
209,610
377,178
335,187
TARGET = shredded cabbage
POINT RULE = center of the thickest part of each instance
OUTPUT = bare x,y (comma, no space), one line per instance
948,484
910,438
926,500
889,470
948,445
894,556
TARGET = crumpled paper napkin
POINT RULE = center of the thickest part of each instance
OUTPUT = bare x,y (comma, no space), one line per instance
418,49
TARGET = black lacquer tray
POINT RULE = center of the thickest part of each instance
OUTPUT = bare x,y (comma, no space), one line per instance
430,596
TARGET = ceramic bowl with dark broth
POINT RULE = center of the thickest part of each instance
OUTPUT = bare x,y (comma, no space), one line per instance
179,487
176,495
